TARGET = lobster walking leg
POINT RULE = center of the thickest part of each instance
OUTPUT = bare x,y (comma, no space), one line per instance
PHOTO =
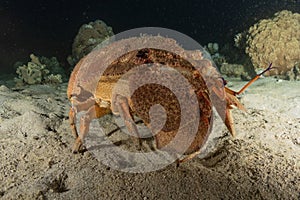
77,107
93,111
124,111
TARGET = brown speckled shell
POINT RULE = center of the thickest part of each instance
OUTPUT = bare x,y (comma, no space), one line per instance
151,94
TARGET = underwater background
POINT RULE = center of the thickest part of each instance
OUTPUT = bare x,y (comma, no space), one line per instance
47,28
41,42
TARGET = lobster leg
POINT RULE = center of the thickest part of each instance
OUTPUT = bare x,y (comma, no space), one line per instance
77,107
84,128
229,122
124,111
93,111
72,118
188,157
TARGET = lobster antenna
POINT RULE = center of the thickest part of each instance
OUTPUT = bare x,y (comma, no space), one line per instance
254,79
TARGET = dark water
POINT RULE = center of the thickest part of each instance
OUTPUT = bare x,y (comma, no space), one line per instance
48,27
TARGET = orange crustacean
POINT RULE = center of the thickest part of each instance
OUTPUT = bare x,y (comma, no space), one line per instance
92,91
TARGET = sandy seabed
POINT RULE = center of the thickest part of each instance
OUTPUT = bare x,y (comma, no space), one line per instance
261,162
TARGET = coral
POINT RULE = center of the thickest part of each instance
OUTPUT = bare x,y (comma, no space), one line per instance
35,72
240,40
53,79
294,75
52,65
213,49
276,41
235,70
218,59
89,36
